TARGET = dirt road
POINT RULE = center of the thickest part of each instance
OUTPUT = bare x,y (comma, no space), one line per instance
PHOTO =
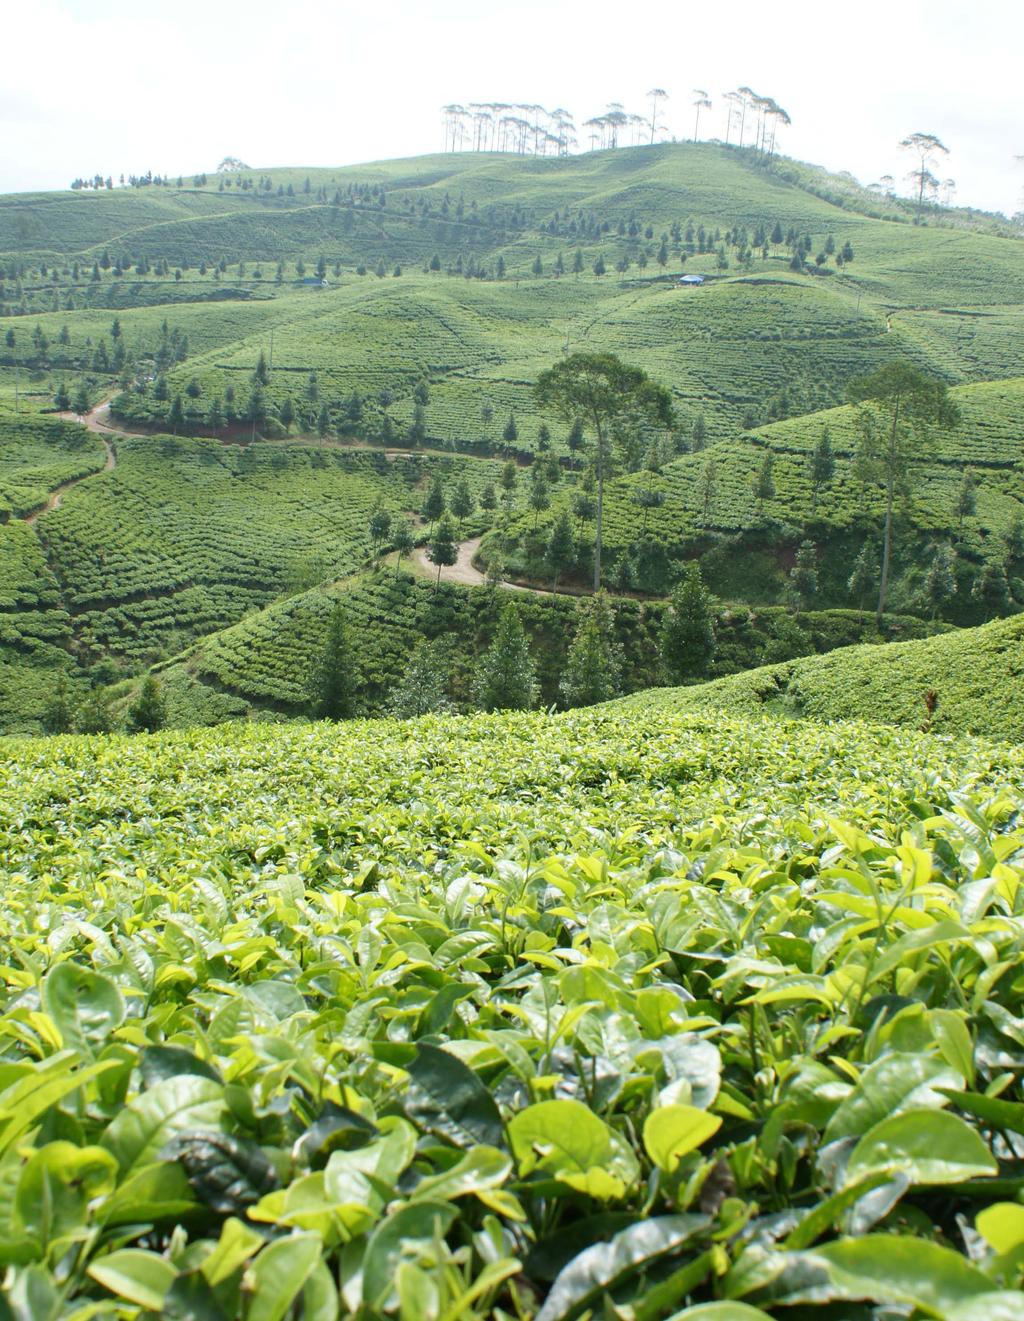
93,421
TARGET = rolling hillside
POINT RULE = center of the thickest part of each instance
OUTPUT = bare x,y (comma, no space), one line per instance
976,677
704,1004
764,533
448,284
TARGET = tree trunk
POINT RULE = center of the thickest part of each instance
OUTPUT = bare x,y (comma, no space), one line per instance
890,492
600,508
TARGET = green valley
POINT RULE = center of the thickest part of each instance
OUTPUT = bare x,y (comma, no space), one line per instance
513,794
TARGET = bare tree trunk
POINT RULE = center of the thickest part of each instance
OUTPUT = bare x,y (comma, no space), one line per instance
883,585
890,494
600,506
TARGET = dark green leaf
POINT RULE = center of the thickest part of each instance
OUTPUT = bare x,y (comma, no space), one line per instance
446,1097
928,1146
421,1220
600,1269
160,1062
227,1174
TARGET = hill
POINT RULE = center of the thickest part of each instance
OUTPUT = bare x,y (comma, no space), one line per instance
943,295
975,676
263,664
746,543
317,352
513,988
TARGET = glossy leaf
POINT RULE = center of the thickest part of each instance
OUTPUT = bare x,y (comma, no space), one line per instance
599,1270
672,1131
447,1098
928,1146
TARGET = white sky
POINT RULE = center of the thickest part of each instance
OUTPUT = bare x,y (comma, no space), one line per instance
112,86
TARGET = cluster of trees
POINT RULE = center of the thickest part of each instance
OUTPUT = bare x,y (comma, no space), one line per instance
95,714
505,675
742,107
147,180
527,128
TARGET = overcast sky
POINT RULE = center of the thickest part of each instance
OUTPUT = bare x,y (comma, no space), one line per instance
112,86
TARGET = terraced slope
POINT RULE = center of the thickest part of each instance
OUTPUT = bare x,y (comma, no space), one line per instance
263,664
989,440
975,676
185,536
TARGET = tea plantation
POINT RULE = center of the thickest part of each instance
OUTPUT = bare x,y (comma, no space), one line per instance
186,536
264,663
975,680
700,1015
740,534
700,1005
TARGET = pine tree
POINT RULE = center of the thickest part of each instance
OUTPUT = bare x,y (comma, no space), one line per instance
443,549
403,541
507,481
688,631
62,399
574,440
593,667
58,717
505,672
764,482
495,568
823,466
81,403
802,586
488,498
424,686
148,712
435,504
462,504
334,680
992,589
540,498
380,526
940,580
863,576
176,413
967,498
511,433
561,549
94,715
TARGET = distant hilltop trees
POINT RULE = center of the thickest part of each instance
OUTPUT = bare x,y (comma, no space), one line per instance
529,129
147,180
230,164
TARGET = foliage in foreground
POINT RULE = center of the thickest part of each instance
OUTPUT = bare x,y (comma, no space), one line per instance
513,1017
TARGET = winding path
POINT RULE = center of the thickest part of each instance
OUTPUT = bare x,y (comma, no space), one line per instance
92,421
463,571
